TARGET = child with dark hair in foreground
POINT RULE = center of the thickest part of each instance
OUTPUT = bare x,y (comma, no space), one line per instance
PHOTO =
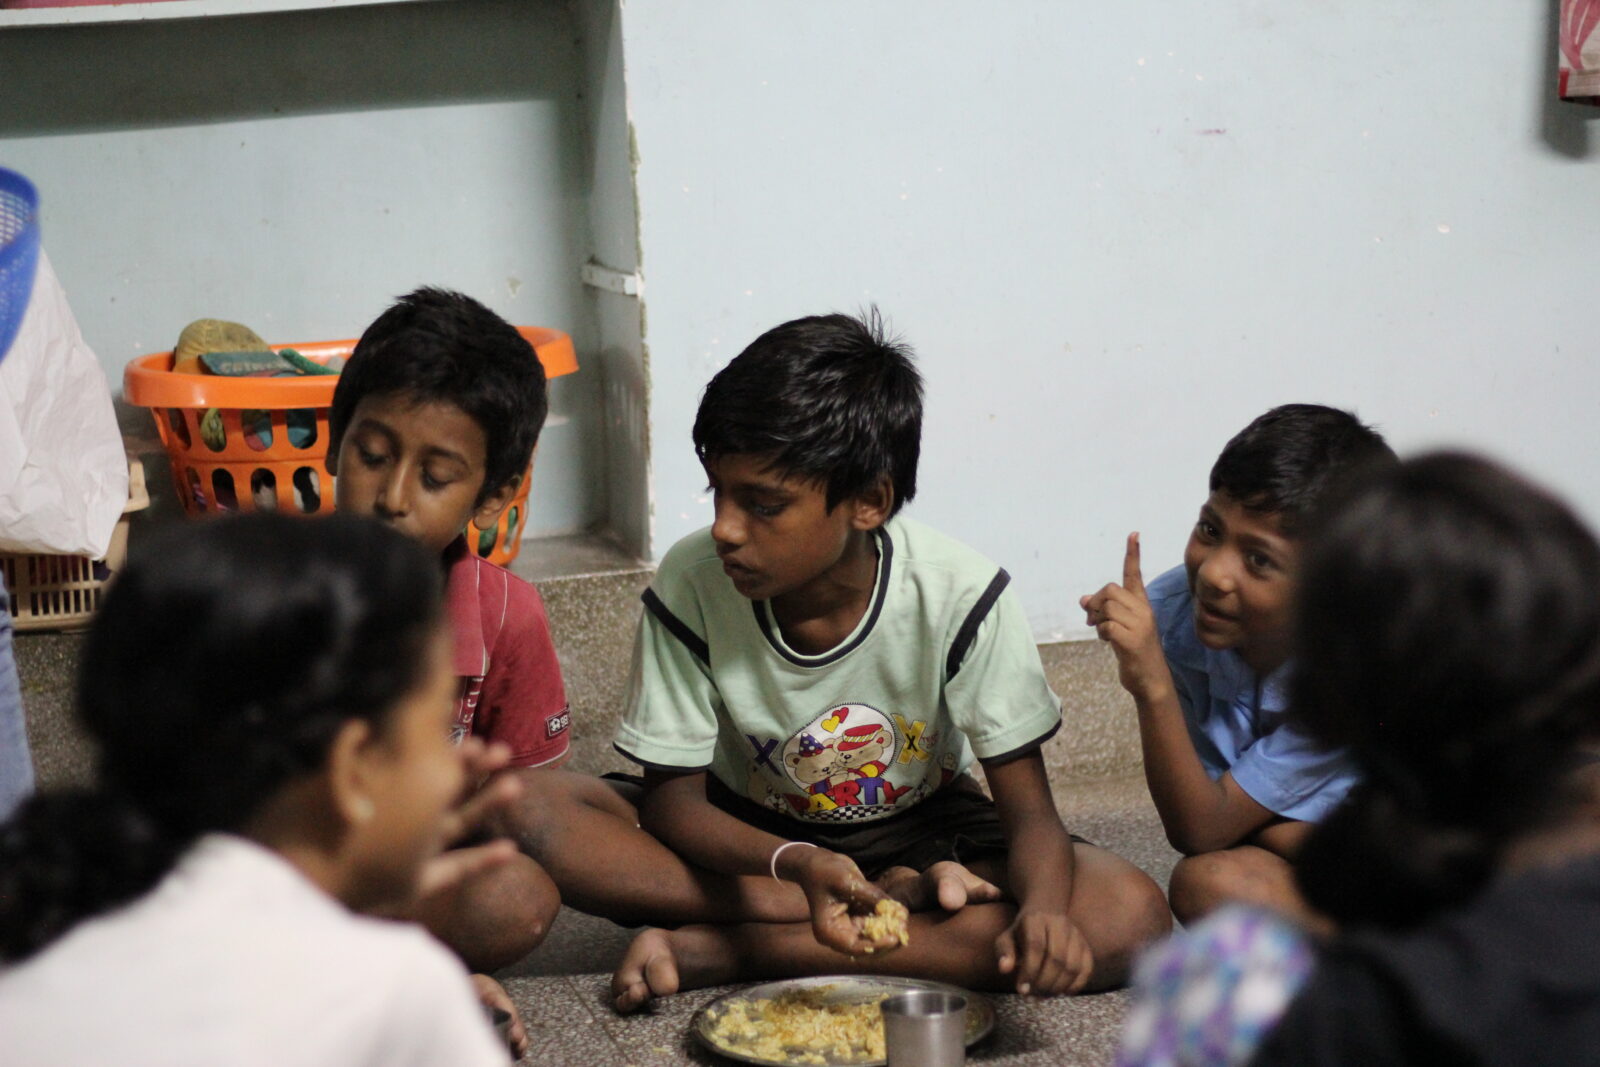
1449,639
270,700
813,676
1204,652
433,422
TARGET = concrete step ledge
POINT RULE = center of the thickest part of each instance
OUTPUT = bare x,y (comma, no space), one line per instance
591,591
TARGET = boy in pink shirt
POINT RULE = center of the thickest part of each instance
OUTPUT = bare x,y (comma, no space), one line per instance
431,429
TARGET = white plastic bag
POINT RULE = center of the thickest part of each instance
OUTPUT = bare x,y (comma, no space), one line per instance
63,473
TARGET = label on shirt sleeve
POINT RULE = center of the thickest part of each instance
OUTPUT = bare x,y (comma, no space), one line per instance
558,724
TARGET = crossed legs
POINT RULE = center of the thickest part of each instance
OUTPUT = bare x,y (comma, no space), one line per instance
1115,905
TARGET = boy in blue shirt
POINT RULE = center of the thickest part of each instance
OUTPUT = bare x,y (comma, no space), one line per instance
1204,651
813,676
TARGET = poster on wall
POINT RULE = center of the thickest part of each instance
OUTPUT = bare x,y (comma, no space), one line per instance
1579,60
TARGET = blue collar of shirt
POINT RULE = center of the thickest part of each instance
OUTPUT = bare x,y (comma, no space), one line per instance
1233,680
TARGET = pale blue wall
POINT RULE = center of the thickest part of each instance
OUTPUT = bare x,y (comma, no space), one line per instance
1116,232
297,171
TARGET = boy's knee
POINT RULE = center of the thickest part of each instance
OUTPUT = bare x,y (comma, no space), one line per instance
1136,917
1152,914
1242,875
1202,883
1146,916
532,896
502,916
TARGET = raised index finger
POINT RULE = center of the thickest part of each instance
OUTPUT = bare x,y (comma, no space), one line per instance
1132,579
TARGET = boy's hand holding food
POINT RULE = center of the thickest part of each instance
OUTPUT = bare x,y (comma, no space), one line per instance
840,897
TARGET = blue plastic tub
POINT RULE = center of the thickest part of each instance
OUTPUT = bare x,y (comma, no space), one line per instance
19,251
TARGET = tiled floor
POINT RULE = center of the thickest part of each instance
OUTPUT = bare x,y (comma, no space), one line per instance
562,990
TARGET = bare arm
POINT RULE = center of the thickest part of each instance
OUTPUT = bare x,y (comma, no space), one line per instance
675,810
1043,948
1200,815
1284,836
1039,848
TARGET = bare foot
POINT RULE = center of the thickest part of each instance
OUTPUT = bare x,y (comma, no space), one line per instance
661,962
946,884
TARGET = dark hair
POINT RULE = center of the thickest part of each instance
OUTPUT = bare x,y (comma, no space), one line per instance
440,346
830,398
220,666
1449,636
1287,459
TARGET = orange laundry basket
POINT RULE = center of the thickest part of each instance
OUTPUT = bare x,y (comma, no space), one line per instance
272,468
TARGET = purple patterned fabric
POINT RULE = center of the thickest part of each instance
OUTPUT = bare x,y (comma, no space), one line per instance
1208,995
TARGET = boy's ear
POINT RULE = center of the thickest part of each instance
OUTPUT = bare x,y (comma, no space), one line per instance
331,464
873,505
349,760
487,513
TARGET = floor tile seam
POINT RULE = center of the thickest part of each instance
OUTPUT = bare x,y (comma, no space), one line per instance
582,997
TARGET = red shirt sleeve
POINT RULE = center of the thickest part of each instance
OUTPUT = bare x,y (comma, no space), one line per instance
523,702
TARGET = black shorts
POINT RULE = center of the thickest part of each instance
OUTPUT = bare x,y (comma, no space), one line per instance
959,822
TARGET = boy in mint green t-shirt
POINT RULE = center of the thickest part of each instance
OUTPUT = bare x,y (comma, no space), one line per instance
813,676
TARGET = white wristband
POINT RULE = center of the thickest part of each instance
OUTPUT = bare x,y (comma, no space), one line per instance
779,850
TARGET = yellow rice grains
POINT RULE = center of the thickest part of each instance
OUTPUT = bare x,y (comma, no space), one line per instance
888,919
800,1026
